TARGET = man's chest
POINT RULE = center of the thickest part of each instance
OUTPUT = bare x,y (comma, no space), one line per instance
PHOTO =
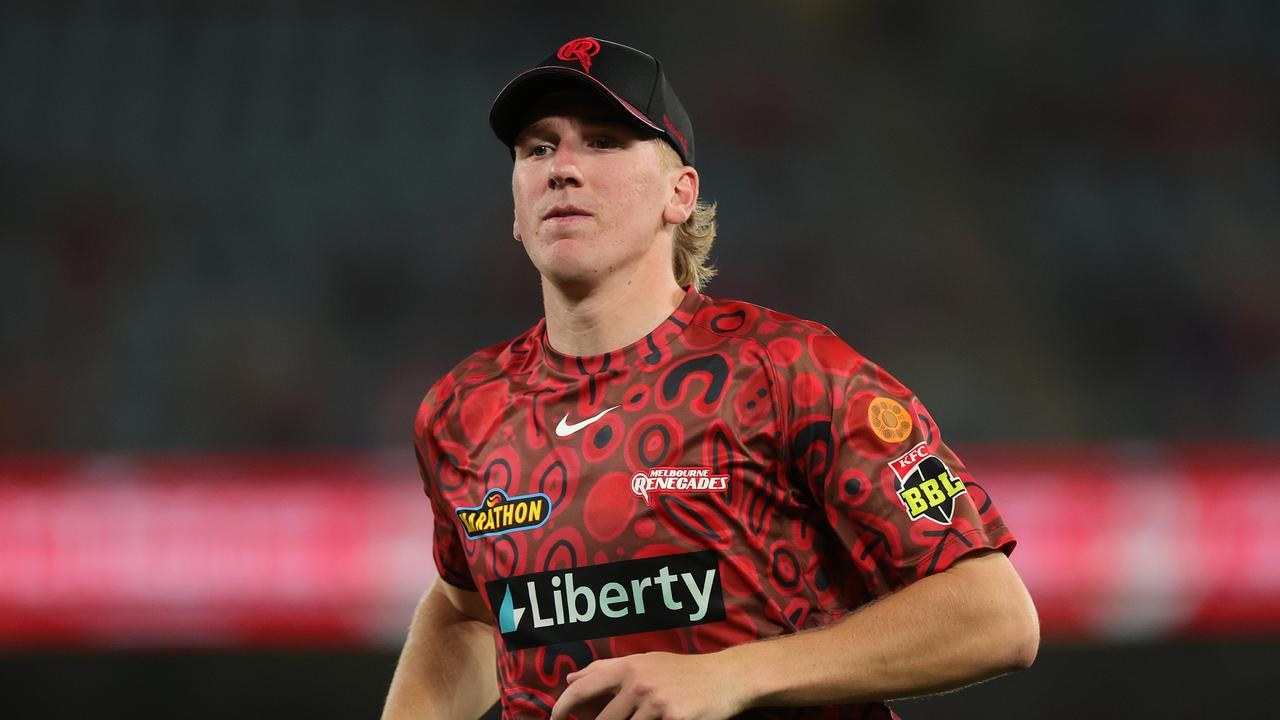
549,474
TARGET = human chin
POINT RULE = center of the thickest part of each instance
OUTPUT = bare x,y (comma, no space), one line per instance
573,257
567,270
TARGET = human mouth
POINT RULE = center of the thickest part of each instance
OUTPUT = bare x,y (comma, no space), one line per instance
565,213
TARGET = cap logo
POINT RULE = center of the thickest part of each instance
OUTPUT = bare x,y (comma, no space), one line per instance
679,135
580,49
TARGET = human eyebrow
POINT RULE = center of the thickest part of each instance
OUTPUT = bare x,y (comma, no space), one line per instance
619,133
538,130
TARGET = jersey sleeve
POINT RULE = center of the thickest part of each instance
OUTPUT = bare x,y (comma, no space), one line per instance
901,504
447,545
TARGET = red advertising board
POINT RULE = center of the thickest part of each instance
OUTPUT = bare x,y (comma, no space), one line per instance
192,551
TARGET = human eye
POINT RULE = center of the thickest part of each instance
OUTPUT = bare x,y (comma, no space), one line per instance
605,142
534,148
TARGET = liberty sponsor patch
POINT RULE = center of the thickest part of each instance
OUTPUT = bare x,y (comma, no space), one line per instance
499,514
889,420
631,596
676,480
926,486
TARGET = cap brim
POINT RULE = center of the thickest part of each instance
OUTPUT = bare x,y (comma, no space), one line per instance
508,115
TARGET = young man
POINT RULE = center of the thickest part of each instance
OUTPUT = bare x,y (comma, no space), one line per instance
656,504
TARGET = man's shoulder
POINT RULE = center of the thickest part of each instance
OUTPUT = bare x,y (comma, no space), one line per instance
788,340
738,318
496,364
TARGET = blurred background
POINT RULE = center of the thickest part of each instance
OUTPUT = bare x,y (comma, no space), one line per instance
238,241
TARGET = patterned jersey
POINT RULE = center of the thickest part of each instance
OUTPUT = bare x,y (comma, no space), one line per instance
735,474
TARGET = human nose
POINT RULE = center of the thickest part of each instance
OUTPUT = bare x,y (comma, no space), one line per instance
563,169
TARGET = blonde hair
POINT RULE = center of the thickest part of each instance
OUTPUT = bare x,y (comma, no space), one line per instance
694,237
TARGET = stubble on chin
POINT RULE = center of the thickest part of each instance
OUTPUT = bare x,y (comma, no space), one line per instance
567,260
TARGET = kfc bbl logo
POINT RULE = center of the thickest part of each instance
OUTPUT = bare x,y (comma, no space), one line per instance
926,486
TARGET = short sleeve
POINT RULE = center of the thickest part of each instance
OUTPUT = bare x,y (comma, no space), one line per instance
447,548
901,504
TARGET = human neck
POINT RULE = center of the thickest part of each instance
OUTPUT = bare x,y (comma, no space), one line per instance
608,316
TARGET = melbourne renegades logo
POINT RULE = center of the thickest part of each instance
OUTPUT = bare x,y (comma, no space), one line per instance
580,49
925,486
677,480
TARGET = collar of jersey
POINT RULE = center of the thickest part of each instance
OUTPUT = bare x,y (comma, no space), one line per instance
648,350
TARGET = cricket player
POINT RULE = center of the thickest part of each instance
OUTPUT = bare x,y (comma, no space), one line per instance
656,503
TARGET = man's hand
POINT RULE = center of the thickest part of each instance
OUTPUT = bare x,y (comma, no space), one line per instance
651,686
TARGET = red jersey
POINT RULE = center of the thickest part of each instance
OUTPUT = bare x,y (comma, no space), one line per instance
736,474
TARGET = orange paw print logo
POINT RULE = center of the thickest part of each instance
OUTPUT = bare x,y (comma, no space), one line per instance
889,420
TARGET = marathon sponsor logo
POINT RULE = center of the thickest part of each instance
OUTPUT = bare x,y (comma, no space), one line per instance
499,514
607,600
925,486
677,480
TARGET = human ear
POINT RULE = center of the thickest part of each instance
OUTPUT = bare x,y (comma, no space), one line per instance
683,198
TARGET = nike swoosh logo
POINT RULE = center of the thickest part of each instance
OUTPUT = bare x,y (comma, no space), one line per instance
565,428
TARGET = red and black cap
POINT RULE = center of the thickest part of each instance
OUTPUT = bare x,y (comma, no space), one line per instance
631,79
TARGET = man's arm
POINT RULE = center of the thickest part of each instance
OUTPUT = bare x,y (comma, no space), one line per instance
971,622
447,668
